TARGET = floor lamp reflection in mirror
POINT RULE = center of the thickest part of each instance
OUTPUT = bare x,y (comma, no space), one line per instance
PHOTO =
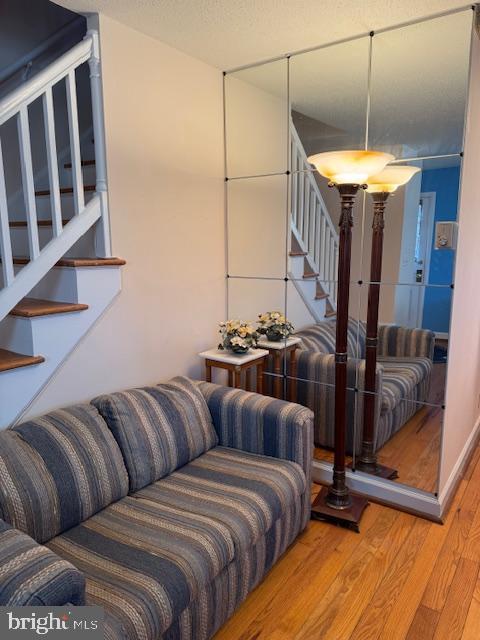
380,187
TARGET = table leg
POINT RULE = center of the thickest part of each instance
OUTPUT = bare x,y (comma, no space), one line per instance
260,377
230,378
248,379
293,375
277,370
238,378
208,371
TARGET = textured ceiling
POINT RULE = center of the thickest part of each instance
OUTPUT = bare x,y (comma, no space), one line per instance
229,33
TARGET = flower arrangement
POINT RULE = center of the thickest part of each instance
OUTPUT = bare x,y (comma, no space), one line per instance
275,326
237,336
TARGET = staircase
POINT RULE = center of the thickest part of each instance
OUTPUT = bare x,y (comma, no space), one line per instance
57,272
313,257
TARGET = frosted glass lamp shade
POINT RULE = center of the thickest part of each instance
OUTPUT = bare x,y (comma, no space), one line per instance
388,180
350,167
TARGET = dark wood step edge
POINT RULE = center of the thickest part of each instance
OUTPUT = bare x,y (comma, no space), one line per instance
11,360
35,307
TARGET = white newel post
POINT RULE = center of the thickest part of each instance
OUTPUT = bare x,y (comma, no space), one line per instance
102,235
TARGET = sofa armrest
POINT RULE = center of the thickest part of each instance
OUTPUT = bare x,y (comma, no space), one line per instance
31,574
260,424
316,390
401,342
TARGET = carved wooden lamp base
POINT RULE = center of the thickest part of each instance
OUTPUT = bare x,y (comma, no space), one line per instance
347,517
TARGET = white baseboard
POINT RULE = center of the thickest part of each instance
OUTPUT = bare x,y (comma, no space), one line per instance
446,494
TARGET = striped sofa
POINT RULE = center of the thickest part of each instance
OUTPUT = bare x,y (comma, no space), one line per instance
164,505
405,361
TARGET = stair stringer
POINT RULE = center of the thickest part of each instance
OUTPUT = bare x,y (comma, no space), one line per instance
53,336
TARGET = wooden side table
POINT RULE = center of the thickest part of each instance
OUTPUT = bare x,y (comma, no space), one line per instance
278,351
236,365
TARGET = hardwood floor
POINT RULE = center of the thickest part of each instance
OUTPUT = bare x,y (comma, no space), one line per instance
401,578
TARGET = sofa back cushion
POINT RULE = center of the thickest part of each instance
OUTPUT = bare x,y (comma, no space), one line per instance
158,429
58,470
320,338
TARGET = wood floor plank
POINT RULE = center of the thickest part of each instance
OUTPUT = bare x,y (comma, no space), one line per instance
454,614
471,630
370,625
357,583
445,567
424,624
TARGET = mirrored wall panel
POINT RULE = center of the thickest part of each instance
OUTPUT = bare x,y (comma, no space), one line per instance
419,87
402,91
257,226
256,120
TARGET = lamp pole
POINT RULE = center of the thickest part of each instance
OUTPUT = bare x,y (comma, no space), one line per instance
335,503
379,187
347,171
367,461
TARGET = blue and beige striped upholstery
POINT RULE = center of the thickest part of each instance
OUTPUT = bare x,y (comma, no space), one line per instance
246,492
403,377
32,575
158,428
179,569
402,342
58,470
174,559
320,338
259,424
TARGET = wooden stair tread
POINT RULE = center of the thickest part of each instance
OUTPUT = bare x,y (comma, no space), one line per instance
84,163
294,254
329,314
91,262
11,360
321,296
79,262
34,307
40,223
65,190
310,275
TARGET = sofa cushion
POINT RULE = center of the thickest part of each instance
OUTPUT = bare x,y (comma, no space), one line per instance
320,338
147,559
158,428
400,377
245,492
58,470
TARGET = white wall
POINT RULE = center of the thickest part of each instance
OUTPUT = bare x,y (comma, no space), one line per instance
463,383
163,113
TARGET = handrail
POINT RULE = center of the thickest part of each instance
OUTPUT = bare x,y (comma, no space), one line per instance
28,58
33,88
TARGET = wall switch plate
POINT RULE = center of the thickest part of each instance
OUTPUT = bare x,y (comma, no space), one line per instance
446,235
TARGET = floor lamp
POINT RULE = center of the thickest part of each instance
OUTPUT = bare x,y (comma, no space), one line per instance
380,187
347,171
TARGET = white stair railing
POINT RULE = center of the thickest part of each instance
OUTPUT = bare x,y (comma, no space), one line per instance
311,220
15,105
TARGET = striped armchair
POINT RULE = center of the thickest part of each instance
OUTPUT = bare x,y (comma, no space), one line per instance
405,360
164,505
